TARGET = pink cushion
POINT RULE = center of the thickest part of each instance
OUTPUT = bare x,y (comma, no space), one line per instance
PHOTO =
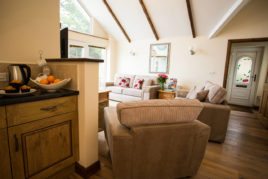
138,83
124,82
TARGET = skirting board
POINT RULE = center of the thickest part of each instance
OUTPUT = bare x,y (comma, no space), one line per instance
86,172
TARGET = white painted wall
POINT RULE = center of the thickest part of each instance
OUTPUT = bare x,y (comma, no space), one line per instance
209,61
27,27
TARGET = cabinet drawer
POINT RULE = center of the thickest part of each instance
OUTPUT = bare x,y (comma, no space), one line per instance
27,112
2,117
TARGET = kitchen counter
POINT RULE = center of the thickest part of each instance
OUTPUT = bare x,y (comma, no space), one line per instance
37,96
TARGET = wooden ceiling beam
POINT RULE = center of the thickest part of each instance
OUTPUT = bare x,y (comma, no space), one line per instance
149,19
191,17
116,20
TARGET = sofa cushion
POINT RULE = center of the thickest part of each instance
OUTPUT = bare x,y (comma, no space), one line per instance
118,76
115,89
148,80
197,93
201,95
153,112
216,93
138,83
124,82
132,92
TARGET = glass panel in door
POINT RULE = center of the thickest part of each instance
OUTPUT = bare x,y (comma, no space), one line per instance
243,72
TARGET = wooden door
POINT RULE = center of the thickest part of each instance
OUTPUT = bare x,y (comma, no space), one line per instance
39,149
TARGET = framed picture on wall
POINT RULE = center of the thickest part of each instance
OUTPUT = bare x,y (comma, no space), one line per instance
159,58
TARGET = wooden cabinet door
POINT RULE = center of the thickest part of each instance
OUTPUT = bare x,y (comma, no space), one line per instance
41,148
2,117
5,170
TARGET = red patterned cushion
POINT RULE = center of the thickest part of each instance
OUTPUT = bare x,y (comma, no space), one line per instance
138,83
124,82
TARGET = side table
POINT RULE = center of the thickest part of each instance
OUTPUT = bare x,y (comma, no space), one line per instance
166,94
103,102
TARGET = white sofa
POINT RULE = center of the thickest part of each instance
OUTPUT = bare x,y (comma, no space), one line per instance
148,91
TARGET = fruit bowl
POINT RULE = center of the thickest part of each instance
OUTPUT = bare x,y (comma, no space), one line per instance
52,87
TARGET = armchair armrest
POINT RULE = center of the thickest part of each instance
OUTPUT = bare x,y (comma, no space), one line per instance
150,92
109,84
120,142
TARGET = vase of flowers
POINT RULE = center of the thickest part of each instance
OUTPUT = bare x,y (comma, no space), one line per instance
162,78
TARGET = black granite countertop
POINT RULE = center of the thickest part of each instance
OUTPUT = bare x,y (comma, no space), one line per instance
75,60
37,96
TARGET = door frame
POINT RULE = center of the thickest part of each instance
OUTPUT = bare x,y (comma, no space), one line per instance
228,54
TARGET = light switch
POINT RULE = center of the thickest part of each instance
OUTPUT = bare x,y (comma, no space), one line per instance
4,76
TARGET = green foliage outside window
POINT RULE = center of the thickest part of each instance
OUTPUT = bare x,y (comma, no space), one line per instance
73,16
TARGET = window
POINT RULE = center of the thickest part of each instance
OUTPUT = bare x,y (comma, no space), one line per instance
73,16
99,53
76,51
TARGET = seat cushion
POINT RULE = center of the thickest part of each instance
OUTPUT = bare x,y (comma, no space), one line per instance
153,112
115,89
132,92
216,93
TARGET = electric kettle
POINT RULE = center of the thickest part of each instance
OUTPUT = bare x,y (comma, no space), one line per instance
19,73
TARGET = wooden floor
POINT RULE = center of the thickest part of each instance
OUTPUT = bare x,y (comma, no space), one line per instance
243,155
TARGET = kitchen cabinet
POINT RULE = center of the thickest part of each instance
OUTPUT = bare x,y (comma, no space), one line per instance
5,169
42,137
2,117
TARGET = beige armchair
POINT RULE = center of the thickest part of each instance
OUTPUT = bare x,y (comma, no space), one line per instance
156,139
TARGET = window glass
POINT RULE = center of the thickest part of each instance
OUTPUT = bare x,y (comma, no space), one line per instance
243,71
74,17
99,53
76,51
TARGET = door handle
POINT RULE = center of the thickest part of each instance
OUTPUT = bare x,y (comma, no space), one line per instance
16,143
49,108
255,77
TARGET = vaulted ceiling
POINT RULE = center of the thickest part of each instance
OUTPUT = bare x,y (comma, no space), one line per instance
169,17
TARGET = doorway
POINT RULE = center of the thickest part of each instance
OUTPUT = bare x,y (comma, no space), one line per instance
250,42
243,76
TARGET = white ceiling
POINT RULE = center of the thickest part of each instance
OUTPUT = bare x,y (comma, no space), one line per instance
170,17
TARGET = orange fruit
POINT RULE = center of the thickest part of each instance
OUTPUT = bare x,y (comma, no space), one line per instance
44,81
57,80
50,78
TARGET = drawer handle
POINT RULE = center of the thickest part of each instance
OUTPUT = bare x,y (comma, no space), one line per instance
49,108
16,143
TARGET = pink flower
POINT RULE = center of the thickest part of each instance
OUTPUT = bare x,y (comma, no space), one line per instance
162,75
